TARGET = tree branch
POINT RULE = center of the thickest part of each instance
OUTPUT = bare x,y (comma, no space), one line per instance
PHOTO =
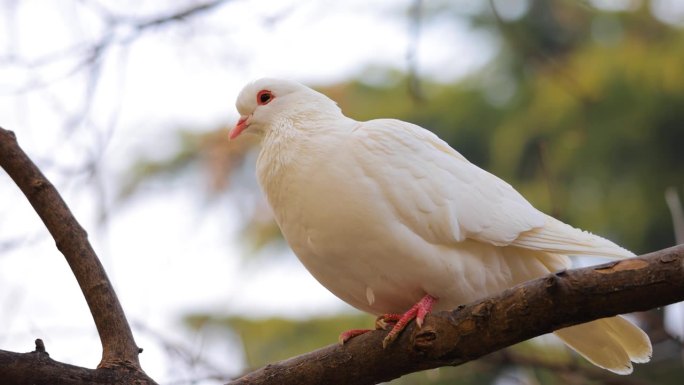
118,346
181,14
525,311
37,368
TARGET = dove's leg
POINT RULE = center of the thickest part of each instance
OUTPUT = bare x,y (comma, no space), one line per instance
418,311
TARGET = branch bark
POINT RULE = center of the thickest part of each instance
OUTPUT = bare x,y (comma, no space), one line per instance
118,346
525,311
37,368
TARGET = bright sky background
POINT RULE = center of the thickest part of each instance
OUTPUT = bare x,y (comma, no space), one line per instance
166,254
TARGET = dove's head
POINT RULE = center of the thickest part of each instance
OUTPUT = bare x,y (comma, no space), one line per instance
270,104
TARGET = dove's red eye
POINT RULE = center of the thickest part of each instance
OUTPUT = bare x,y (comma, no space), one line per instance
264,97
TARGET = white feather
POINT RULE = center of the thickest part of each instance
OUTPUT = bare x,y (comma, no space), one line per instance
610,343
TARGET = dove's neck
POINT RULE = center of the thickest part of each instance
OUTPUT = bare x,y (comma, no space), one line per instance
278,151
291,146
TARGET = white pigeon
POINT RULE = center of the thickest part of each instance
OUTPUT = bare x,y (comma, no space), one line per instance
391,219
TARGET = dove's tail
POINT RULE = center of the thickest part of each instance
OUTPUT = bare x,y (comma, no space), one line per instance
560,238
610,343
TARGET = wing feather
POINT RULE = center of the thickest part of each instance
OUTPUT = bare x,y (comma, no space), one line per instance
444,198
435,191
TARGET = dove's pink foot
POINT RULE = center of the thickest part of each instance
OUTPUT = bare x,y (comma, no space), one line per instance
397,321
418,311
381,323
349,334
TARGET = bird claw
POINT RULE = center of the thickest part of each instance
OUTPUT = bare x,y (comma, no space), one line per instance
385,320
389,338
398,322
418,312
349,334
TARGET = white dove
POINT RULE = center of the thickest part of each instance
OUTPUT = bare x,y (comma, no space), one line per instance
390,218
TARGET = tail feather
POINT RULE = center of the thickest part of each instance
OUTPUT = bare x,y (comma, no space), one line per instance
610,343
560,238
634,340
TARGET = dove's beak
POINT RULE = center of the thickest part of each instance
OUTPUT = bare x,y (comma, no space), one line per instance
239,127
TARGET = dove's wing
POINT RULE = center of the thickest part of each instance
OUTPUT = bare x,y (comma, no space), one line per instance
444,198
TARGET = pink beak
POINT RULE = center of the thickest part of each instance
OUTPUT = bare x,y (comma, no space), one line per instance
239,127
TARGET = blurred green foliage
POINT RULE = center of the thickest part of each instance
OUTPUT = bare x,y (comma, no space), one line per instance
273,339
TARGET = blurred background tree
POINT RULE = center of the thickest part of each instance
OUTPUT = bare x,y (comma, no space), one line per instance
581,108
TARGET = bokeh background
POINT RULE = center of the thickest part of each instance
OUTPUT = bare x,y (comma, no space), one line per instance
125,105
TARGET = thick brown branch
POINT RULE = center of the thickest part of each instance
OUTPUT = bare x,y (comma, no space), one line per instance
37,368
118,346
528,310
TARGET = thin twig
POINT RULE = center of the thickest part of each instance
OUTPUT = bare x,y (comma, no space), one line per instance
675,206
414,84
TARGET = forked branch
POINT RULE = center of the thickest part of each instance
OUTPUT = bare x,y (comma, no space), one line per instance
118,345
